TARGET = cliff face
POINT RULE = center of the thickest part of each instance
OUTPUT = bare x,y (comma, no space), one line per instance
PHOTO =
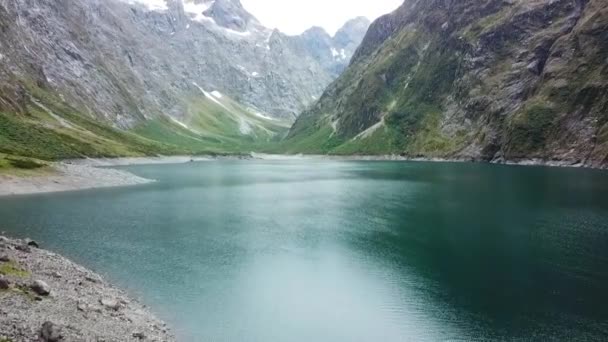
492,80
85,76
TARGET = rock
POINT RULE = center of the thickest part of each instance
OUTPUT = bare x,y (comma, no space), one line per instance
109,303
56,275
31,243
50,332
82,307
92,279
4,258
23,248
41,288
139,336
4,283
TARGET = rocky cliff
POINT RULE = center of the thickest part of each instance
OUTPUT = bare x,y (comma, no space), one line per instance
113,77
493,80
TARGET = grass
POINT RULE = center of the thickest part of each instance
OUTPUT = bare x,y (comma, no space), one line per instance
52,130
529,129
12,269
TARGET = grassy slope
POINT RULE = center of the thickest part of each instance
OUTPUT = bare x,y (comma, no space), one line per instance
49,129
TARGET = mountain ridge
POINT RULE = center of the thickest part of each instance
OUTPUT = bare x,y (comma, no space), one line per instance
123,77
491,80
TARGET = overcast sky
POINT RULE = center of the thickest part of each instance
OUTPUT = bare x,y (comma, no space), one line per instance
295,16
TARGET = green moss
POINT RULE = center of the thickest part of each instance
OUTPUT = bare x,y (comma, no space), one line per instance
528,130
472,32
5,340
320,140
384,140
26,164
12,269
431,142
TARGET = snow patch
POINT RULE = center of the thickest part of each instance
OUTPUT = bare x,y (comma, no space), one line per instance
197,10
152,5
368,132
179,123
210,97
260,115
255,74
338,55
245,127
216,94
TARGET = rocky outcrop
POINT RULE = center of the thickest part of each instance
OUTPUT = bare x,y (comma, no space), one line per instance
45,297
490,80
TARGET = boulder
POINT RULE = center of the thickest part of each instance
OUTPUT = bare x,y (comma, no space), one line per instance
41,288
23,248
139,335
4,283
4,258
31,243
50,332
109,303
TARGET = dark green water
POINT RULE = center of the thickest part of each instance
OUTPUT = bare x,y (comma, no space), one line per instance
345,251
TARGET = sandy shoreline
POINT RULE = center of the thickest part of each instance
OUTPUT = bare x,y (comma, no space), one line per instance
80,174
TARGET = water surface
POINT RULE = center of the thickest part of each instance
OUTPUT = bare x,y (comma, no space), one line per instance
345,251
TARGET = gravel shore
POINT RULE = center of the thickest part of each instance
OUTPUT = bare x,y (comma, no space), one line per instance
45,297
83,174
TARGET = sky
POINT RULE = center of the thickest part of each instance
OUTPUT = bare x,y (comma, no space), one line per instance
295,16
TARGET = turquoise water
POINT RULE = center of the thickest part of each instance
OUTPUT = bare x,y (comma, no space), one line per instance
345,251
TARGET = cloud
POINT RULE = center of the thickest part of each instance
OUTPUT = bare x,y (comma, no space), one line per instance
295,16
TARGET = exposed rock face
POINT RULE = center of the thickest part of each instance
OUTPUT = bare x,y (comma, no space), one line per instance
126,61
493,80
334,53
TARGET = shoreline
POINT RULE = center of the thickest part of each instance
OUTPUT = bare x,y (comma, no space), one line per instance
83,174
93,173
47,297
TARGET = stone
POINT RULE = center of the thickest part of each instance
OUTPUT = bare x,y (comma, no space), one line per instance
139,335
50,332
56,275
31,243
109,303
82,307
23,248
4,283
41,288
4,258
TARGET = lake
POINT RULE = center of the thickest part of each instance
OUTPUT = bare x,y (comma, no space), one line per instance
313,250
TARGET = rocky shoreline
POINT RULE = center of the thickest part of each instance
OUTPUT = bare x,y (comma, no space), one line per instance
46,297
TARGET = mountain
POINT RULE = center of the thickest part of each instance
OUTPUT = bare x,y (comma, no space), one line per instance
492,80
334,53
116,77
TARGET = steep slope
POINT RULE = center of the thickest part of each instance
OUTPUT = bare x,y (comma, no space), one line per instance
121,77
488,80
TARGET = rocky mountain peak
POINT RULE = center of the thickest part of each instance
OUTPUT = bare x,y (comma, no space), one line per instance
352,31
229,14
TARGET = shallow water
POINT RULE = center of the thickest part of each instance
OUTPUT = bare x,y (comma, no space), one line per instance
345,251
